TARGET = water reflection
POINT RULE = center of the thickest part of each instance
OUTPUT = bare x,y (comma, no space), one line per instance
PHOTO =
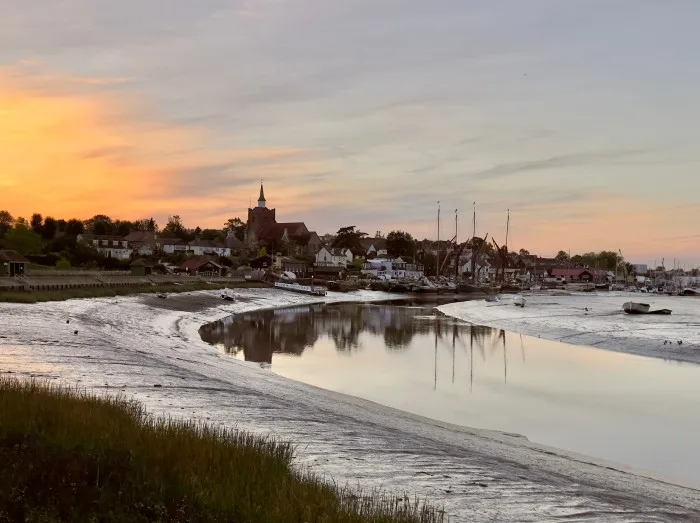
633,410
256,336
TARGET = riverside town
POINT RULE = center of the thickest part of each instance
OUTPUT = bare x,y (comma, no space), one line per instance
349,262
50,254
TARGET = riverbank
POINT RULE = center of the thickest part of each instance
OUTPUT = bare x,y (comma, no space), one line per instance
110,291
596,320
67,455
128,345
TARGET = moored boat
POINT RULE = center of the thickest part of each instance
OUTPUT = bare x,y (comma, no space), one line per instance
690,292
227,294
302,289
519,300
632,307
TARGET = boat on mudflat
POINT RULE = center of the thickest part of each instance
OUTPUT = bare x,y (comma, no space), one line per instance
519,301
227,294
632,307
302,289
690,292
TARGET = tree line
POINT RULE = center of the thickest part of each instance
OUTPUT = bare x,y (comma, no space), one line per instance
52,240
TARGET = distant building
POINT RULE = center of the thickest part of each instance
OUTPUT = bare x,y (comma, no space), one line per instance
12,263
334,256
374,247
202,267
640,268
142,242
390,269
173,246
110,246
580,275
207,247
263,230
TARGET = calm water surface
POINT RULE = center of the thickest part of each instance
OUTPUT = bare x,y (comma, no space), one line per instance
636,411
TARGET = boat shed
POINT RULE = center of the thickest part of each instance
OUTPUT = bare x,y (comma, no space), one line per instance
12,263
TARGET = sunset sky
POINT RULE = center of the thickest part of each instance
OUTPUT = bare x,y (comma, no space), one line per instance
581,117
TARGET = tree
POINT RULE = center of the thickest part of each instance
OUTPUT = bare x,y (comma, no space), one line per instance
36,222
49,229
145,224
400,243
608,260
174,228
215,235
6,220
23,240
524,252
75,227
99,224
123,227
348,238
562,257
237,226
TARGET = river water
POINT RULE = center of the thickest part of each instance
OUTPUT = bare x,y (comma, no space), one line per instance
637,411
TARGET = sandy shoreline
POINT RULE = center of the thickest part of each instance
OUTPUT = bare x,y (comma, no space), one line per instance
130,344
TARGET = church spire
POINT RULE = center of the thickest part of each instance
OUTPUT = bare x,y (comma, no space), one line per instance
261,199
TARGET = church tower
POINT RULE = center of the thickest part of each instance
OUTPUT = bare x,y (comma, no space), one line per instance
259,218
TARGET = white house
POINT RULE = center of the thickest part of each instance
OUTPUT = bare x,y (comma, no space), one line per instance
390,269
173,246
110,246
334,256
374,247
482,267
201,247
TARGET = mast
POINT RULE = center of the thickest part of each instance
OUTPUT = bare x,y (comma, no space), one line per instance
437,257
507,230
504,260
456,250
472,249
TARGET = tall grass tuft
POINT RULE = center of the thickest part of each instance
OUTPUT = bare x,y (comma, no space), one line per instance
66,455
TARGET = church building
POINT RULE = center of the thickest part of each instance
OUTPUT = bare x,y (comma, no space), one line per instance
287,238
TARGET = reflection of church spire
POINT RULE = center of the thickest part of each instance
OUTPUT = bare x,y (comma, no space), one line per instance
261,199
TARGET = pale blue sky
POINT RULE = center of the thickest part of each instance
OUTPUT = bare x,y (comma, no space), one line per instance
580,116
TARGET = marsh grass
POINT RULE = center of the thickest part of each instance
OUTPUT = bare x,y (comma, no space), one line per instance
99,292
66,455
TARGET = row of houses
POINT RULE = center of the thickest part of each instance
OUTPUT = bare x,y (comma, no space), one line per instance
143,243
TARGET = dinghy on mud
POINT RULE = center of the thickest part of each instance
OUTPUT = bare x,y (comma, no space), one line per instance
632,307
519,301
227,295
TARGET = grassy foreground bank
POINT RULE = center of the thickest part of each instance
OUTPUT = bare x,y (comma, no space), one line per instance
69,456
99,292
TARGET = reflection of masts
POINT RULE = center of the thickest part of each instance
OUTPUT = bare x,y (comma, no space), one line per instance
471,357
522,347
505,359
454,336
435,362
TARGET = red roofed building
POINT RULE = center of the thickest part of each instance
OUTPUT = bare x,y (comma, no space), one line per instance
262,230
202,267
579,274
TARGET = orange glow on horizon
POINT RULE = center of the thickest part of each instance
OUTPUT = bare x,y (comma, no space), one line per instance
89,151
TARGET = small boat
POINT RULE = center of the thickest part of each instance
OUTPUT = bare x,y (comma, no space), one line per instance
690,292
492,299
536,287
664,312
227,294
162,295
632,307
519,301
302,289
